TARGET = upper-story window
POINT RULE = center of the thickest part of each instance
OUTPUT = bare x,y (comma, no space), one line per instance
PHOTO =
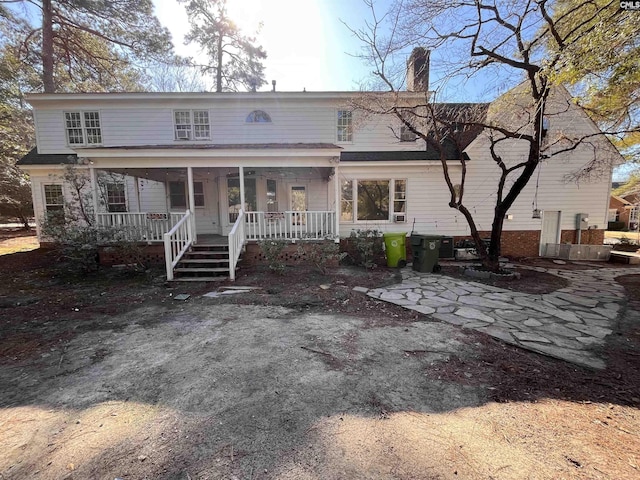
345,126
258,116
192,125
83,128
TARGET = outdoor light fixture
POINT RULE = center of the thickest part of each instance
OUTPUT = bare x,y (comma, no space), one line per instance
536,213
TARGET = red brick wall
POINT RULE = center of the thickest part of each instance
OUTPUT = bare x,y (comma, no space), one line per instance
588,237
526,243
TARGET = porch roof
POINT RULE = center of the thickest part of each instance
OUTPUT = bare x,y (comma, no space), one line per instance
222,146
401,156
220,150
35,158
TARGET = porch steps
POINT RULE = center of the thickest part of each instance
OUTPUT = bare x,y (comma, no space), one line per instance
203,263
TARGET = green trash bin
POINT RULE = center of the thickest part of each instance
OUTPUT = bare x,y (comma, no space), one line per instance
426,251
395,249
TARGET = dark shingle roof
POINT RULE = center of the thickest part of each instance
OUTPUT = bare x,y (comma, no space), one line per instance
222,146
398,156
35,158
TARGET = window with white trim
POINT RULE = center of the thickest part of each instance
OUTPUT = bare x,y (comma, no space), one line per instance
633,214
116,197
178,195
83,128
365,200
191,125
272,195
53,202
258,116
345,126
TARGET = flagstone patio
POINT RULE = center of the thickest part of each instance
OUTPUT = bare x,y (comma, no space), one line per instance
567,324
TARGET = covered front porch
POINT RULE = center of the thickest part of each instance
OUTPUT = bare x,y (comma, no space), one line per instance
217,205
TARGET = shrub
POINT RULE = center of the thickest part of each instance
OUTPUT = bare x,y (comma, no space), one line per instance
272,251
77,244
366,247
321,254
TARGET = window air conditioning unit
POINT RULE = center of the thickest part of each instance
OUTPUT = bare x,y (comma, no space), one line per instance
182,134
399,218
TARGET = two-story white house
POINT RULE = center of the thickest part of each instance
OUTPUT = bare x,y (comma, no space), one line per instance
233,168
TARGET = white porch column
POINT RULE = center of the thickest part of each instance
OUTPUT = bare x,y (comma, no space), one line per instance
336,182
192,200
241,175
94,192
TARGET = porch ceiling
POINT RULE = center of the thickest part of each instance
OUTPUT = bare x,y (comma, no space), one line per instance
288,173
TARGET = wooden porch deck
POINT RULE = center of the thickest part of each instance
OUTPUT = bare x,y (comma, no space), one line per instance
211,239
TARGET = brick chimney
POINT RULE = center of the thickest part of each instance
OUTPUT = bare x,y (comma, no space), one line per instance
418,70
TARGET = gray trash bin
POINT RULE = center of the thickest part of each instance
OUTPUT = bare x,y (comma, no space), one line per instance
426,251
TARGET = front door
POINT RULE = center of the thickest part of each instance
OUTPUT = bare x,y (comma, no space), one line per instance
550,229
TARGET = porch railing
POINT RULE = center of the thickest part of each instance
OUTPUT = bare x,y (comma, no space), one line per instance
141,226
237,240
177,241
291,225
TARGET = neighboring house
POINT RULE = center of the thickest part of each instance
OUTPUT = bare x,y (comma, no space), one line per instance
294,165
624,210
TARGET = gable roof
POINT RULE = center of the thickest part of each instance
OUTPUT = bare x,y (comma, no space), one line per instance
35,158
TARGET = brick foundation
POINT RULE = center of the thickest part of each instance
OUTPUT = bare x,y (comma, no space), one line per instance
518,243
587,237
151,255
526,243
292,254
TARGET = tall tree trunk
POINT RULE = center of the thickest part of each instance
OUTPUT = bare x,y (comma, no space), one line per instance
219,65
47,47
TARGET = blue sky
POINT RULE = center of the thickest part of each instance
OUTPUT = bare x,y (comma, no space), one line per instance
309,44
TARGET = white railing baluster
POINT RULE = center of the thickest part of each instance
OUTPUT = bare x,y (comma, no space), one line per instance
177,241
237,239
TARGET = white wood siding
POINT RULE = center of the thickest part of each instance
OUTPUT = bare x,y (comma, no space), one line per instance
142,123
152,196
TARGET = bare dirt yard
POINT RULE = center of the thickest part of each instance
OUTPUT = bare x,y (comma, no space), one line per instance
109,377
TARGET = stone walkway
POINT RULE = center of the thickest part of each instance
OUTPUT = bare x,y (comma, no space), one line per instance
565,324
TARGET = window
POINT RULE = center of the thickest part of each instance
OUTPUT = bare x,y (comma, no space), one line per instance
233,197
372,200
191,124
406,135
613,215
272,196
83,128
346,209
633,214
258,116
53,202
178,194
198,194
116,198
400,196
345,126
